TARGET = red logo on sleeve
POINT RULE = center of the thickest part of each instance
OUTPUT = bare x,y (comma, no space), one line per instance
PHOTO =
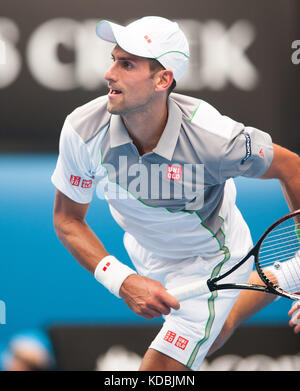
174,173
75,180
147,39
86,183
181,343
170,336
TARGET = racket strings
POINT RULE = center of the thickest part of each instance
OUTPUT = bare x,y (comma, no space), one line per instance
284,231
280,253
277,238
290,249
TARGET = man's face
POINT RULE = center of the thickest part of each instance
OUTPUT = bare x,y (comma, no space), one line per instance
130,82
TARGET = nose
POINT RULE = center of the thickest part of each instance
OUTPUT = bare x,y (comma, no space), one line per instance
111,74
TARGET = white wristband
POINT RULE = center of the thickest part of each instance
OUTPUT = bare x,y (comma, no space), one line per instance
111,273
287,274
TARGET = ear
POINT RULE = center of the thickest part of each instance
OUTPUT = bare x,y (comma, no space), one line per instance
163,80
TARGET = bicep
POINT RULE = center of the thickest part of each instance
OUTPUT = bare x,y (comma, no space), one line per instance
67,209
283,164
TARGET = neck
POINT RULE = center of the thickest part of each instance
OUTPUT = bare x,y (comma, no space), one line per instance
146,127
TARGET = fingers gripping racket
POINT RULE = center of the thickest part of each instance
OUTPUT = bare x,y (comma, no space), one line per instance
278,248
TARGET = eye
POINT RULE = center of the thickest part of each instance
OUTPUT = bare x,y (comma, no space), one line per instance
127,65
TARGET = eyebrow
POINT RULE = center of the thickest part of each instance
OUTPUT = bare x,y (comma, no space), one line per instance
124,58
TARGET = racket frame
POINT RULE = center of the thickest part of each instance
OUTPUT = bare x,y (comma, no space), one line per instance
269,287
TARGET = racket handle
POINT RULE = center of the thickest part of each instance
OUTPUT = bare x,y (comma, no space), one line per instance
189,290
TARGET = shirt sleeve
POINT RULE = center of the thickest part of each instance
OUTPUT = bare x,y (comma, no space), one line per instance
73,174
248,153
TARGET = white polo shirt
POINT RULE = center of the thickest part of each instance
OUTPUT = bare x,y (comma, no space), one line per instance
177,200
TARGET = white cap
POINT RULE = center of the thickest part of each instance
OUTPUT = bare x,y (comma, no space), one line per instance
152,37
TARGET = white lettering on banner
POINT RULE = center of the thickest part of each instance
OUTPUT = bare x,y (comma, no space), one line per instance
42,57
2,52
120,358
255,362
10,59
218,55
2,312
92,55
296,53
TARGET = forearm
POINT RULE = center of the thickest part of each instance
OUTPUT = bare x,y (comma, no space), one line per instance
81,242
249,302
291,191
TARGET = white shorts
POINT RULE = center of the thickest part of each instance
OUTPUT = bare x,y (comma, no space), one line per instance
188,333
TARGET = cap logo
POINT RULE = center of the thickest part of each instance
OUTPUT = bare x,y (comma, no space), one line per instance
261,153
147,39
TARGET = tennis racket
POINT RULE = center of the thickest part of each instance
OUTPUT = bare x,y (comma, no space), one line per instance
278,247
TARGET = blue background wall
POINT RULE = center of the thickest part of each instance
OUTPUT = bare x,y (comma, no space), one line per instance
41,284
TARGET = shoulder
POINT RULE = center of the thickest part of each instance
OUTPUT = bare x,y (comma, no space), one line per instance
89,119
201,115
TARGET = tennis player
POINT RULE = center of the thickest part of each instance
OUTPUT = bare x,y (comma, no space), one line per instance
165,162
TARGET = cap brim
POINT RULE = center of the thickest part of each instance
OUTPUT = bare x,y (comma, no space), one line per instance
107,30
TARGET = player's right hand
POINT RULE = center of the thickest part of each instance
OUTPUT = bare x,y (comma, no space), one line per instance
147,298
294,312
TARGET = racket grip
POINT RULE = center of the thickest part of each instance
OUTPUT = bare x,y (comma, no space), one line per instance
189,290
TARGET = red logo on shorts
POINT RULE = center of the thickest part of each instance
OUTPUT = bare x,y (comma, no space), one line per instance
174,173
75,180
147,39
106,266
181,343
170,336
86,183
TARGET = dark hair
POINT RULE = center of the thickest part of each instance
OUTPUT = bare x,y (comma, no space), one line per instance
156,66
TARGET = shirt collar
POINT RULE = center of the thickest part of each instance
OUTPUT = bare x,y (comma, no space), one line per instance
168,140
117,132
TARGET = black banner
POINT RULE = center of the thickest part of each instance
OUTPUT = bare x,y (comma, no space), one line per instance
117,348
244,60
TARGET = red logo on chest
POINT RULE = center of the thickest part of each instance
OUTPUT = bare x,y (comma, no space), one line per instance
174,173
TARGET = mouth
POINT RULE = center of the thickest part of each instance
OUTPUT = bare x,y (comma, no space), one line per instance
113,91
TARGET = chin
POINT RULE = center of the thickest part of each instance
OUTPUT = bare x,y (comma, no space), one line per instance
115,110
112,110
